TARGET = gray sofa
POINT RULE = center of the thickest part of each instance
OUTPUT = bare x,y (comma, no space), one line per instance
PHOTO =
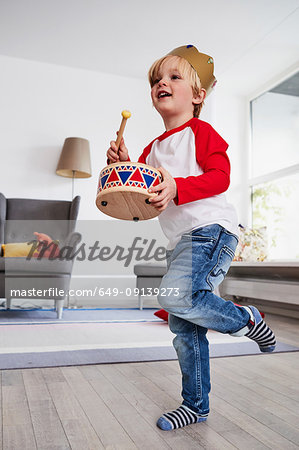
19,219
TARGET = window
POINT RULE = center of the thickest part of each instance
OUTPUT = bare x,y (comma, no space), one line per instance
275,167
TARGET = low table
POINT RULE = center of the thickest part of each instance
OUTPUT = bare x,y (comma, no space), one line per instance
149,276
276,281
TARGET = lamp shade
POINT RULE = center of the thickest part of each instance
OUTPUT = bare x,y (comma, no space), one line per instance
74,161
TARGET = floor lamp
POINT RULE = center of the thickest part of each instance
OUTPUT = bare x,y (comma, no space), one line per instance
74,161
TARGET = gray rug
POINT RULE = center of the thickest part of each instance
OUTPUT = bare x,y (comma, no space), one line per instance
88,315
124,355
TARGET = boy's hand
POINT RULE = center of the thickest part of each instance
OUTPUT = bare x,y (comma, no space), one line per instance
167,190
115,155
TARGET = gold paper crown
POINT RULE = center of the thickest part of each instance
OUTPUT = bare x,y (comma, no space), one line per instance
201,63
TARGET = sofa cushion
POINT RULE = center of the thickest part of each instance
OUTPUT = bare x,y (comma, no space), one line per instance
16,249
150,270
35,266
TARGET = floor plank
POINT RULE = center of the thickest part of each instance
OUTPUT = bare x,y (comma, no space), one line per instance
109,430
48,429
1,412
77,427
18,431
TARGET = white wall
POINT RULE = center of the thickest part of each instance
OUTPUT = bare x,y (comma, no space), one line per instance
42,104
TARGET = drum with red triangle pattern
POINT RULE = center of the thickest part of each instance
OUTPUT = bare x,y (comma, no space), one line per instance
123,190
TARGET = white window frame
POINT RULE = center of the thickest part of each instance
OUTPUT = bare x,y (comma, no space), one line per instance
270,176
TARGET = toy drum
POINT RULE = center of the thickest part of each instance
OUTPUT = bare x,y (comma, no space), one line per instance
122,191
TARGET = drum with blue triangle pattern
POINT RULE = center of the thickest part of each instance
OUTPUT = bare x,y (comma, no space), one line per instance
124,180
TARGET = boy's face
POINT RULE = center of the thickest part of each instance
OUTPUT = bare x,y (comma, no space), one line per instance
172,95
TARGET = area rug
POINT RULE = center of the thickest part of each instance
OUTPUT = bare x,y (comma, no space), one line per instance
83,315
121,355
53,345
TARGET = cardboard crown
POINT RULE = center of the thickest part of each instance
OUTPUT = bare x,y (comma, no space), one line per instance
201,63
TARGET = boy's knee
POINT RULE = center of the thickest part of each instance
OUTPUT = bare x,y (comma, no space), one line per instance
163,302
173,303
180,304
180,327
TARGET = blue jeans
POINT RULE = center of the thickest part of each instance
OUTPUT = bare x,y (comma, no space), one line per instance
196,266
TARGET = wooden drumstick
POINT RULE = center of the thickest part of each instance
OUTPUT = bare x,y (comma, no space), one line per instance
126,115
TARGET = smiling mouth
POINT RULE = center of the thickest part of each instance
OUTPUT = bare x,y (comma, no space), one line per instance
164,94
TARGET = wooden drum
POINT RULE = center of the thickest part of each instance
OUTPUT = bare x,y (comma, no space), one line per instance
122,190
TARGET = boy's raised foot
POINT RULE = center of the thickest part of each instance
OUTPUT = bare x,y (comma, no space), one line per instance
259,331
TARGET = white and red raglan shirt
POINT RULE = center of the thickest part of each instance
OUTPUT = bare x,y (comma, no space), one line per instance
195,155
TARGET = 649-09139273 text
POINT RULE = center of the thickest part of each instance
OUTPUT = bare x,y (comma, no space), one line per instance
144,292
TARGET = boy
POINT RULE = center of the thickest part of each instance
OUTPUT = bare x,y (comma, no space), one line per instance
200,225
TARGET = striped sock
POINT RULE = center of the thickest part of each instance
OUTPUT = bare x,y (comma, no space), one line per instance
179,418
259,331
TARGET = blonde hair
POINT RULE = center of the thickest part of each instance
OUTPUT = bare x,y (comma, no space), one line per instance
187,72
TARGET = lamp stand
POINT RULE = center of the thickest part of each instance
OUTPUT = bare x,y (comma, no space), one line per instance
73,183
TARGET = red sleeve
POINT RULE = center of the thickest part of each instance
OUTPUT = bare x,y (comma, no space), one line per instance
145,153
211,155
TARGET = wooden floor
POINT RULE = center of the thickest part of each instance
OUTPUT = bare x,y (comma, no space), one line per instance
254,404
